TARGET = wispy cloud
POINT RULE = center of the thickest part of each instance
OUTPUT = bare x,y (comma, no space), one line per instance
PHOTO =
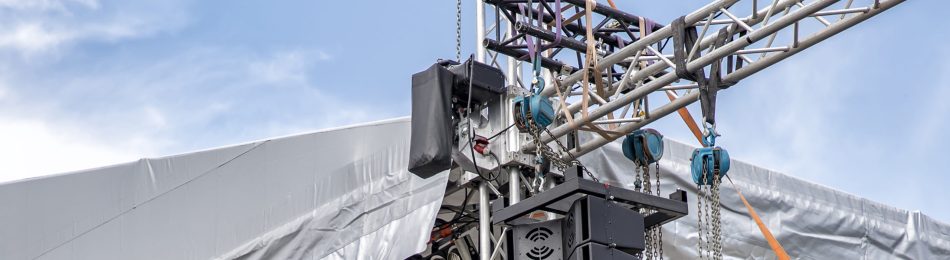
148,108
39,27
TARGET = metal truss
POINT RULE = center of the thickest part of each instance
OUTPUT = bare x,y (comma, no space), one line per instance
634,79
635,65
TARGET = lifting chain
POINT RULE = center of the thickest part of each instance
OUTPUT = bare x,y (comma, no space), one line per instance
458,31
654,236
543,151
710,233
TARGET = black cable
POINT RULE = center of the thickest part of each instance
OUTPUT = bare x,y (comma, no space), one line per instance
468,109
501,132
464,205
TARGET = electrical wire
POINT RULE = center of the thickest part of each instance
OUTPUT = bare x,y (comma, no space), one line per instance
471,130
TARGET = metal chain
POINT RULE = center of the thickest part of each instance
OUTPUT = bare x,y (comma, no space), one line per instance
548,153
700,227
717,216
458,31
651,233
710,234
659,230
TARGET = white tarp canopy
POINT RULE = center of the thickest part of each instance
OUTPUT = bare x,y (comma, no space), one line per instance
811,221
346,194
339,194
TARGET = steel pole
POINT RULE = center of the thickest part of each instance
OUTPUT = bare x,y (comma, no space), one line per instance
480,30
484,222
514,185
484,211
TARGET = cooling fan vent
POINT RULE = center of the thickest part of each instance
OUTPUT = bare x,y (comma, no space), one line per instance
539,249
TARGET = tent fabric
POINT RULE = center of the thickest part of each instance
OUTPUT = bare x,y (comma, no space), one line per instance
337,194
346,193
811,221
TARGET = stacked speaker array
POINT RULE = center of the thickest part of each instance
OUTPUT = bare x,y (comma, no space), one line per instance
594,228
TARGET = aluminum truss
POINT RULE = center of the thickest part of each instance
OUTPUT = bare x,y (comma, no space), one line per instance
634,61
788,19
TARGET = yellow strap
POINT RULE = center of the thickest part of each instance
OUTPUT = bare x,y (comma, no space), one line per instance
563,104
591,57
774,244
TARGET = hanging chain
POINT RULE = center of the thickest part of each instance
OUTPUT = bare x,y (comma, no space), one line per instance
544,151
700,209
654,236
458,31
710,234
659,230
717,216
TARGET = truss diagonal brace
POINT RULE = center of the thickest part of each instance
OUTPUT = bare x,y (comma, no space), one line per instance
697,64
740,74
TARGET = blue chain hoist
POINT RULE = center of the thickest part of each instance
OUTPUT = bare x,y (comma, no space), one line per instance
643,147
710,159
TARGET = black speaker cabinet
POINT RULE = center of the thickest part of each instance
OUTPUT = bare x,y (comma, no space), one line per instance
594,251
592,220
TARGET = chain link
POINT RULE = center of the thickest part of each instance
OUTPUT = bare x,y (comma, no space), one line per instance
546,152
710,234
458,31
659,229
654,236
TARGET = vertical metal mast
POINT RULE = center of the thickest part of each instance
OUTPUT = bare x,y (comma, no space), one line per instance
484,209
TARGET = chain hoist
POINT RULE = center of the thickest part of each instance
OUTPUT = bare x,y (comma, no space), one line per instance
645,148
709,165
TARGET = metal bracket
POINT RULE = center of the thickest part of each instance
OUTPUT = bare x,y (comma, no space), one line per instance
551,200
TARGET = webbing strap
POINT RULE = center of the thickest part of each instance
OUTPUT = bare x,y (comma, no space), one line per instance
773,243
591,57
707,93
684,37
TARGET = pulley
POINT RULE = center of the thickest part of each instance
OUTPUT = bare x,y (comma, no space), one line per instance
709,160
533,108
643,146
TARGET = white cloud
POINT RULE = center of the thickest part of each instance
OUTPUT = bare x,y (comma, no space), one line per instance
36,147
45,5
289,66
324,56
36,27
132,109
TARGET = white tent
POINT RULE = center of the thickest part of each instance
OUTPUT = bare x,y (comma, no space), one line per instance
345,193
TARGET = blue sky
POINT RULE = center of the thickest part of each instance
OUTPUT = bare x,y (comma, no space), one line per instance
86,83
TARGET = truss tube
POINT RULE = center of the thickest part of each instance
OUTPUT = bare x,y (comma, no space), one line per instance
547,18
636,46
612,13
568,42
705,43
699,63
740,74
521,55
